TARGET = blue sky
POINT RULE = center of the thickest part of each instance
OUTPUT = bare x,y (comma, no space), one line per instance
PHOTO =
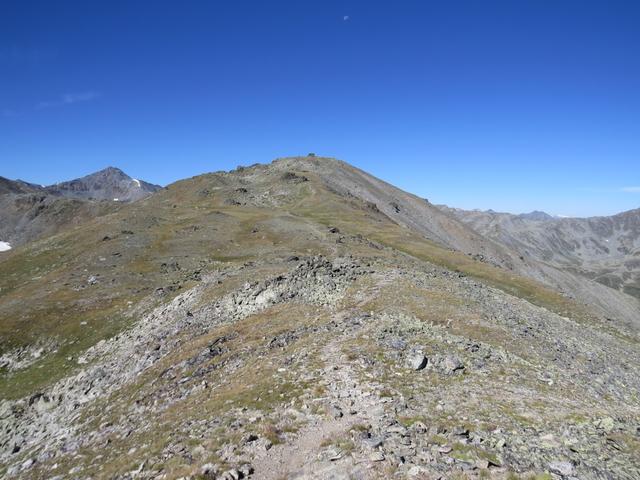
507,105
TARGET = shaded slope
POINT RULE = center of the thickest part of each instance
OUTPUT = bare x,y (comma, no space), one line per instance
27,217
17,187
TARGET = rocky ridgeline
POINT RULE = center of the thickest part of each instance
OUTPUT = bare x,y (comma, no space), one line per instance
378,369
46,421
604,249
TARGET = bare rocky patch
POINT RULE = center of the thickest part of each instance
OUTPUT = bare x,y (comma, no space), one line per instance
342,368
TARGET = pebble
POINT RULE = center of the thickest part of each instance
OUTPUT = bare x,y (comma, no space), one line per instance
561,468
377,456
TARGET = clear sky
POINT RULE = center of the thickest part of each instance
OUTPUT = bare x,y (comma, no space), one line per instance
513,105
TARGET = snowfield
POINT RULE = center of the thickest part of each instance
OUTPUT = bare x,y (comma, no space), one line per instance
4,246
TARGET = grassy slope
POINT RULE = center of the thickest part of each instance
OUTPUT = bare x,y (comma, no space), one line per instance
44,291
356,219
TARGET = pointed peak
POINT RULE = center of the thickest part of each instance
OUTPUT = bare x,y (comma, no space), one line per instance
107,184
110,171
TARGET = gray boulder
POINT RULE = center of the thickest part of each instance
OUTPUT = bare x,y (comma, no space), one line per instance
417,361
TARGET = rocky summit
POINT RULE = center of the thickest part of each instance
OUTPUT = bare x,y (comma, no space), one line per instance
108,184
306,320
29,211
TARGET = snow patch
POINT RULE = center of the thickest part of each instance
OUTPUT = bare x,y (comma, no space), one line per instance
137,182
4,246
115,200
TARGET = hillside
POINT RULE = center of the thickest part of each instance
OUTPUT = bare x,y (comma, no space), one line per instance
108,184
29,211
304,319
444,229
605,249
17,186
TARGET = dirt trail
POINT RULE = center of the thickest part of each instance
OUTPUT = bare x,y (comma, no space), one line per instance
357,402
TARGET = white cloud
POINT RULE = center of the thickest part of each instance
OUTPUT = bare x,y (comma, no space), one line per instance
630,189
346,18
70,99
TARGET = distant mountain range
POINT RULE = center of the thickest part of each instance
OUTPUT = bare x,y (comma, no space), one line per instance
108,184
536,215
29,211
604,249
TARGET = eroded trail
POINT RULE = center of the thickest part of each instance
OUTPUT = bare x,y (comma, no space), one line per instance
320,449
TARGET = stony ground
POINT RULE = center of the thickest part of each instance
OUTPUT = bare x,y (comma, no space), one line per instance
339,368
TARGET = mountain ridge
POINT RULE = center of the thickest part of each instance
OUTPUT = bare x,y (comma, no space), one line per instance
29,211
601,248
439,226
305,319
110,183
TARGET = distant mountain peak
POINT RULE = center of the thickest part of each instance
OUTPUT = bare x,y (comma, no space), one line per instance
106,184
111,169
108,172
536,215
110,183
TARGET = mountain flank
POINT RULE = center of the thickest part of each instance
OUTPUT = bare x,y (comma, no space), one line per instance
29,211
108,184
303,319
17,187
536,215
603,249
